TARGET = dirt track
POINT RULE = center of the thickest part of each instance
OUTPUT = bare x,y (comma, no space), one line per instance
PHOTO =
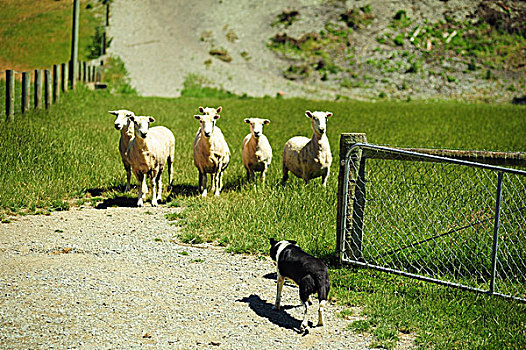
116,279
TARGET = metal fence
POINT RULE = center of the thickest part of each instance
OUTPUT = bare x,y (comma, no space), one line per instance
438,219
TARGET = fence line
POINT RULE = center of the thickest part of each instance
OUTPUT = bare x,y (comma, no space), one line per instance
48,85
448,221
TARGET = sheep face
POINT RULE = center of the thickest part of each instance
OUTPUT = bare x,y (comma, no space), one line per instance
121,119
208,120
256,126
141,125
318,121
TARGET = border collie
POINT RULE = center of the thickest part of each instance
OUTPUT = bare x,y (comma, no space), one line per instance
308,272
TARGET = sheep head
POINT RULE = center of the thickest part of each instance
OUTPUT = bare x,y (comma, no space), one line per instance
141,125
256,126
318,121
208,120
121,117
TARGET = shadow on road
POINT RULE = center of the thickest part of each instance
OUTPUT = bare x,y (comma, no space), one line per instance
264,309
117,202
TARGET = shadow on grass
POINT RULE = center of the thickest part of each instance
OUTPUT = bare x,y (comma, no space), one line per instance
234,185
264,309
98,192
182,190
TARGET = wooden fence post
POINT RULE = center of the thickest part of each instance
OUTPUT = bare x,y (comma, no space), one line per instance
26,86
84,72
347,140
10,94
64,77
47,88
56,83
79,71
38,89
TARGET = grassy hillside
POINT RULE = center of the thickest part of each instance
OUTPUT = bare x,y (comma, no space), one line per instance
68,155
37,34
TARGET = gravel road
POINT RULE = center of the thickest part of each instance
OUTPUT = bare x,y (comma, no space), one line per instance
116,278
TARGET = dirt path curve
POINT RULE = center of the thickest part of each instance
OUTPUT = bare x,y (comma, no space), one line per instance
116,279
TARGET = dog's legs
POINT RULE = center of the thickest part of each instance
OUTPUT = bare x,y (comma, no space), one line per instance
281,280
321,320
305,323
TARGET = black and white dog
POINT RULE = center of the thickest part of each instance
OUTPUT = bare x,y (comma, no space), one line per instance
308,272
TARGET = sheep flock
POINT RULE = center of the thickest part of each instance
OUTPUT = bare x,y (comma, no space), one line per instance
147,151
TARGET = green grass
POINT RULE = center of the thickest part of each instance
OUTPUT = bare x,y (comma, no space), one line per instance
52,158
37,34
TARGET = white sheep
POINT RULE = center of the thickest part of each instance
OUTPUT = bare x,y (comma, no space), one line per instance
148,153
125,125
211,153
256,150
309,158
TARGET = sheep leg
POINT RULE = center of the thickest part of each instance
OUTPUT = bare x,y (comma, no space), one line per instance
263,173
213,179
170,170
218,181
159,186
285,174
202,184
141,184
128,177
153,178
200,187
281,280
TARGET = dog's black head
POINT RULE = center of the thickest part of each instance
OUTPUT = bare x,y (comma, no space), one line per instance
274,245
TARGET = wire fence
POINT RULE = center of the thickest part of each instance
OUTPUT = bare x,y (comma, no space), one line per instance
433,218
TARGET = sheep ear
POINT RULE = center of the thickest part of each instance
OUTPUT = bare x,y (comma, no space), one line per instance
201,109
198,117
217,116
308,114
328,114
292,242
132,118
273,241
246,120
151,119
266,122
113,112
218,110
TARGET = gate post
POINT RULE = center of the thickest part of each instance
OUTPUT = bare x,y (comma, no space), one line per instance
496,234
347,140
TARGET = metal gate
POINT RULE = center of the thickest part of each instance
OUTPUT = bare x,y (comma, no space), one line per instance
438,219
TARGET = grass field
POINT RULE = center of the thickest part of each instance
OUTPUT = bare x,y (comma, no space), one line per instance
37,34
68,155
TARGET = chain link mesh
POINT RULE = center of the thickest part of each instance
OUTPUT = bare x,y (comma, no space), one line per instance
423,217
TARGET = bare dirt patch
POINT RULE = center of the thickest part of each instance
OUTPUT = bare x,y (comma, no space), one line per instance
117,278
